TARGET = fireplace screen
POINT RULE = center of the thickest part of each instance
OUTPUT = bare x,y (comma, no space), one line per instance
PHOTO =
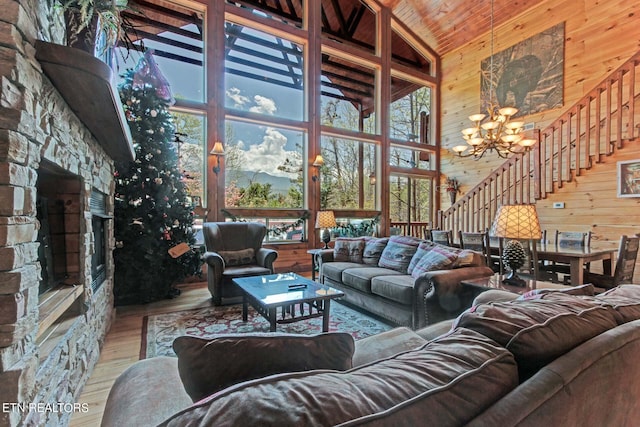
99,218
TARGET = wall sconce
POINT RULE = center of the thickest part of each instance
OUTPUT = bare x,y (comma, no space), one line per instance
372,178
218,150
317,163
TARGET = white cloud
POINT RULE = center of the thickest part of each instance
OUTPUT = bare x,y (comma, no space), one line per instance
263,105
269,154
238,100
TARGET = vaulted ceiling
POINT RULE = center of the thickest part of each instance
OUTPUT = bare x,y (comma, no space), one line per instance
446,25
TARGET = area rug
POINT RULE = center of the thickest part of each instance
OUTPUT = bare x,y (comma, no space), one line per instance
159,331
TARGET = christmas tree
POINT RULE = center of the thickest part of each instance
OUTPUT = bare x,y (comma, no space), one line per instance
153,218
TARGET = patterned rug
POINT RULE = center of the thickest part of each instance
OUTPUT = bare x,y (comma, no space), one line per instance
159,331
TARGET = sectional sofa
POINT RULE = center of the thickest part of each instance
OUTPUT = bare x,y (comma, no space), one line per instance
409,281
544,359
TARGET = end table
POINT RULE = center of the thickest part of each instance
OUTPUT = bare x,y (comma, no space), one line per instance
314,264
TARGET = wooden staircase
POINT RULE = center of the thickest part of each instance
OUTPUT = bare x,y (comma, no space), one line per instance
602,122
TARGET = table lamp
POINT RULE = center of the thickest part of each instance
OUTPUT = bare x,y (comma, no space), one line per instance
515,222
325,220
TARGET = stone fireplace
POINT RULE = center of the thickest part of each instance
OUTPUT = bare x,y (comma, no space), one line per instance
56,235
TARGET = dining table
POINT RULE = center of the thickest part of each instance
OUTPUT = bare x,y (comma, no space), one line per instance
576,258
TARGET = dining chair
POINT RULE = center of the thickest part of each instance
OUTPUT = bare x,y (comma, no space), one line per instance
442,237
573,239
625,265
478,242
566,239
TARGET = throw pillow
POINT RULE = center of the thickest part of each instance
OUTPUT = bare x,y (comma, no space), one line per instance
210,365
348,250
241,257
422,250
398,253
373,247
465,258
437,258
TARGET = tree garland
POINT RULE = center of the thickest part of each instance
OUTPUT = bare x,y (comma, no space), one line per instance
364,228
274,230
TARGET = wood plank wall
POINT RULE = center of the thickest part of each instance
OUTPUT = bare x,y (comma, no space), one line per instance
599,36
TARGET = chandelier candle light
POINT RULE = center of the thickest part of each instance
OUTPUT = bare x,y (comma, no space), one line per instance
516,222
498,133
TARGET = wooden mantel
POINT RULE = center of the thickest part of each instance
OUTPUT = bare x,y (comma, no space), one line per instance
87,85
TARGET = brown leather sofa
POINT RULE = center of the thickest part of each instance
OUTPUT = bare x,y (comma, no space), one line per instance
234,249
546,360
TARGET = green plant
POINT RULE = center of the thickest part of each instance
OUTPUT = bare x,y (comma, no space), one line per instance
81,15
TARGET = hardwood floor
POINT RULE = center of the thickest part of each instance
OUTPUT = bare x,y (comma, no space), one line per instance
122,347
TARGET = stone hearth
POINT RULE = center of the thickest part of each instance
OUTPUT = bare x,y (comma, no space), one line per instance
50,342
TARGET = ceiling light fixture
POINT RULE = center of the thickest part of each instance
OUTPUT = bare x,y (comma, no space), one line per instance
498,133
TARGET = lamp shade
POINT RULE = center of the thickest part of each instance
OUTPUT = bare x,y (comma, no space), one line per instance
325,219
516,222
218,149
319,161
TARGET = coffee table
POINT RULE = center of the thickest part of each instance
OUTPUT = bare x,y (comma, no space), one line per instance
296,297
495,282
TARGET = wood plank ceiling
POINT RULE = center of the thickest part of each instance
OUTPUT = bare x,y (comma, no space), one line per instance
446,25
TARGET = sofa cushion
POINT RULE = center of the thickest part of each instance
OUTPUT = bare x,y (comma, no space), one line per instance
333,270
625,299
349,250
398,253
244,271
241,257
446,382
438,258
360,278
537,331
373,247
398,288
209,365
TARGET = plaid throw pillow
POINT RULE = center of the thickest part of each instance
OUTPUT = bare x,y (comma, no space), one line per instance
437,258
398,253
423,249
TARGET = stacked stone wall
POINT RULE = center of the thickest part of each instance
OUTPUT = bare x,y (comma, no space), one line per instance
39,385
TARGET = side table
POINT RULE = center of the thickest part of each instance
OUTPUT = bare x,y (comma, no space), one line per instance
314,264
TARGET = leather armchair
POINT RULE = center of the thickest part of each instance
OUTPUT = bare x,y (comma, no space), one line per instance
234,249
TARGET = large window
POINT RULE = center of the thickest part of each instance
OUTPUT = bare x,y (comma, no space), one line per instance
287,81
411,200
348,95
190,142
263,73
347,178
263,166
177,43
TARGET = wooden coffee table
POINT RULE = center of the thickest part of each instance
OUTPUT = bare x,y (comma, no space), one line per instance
298,298
495,282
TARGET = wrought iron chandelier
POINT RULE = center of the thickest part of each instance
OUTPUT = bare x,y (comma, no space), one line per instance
498,133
